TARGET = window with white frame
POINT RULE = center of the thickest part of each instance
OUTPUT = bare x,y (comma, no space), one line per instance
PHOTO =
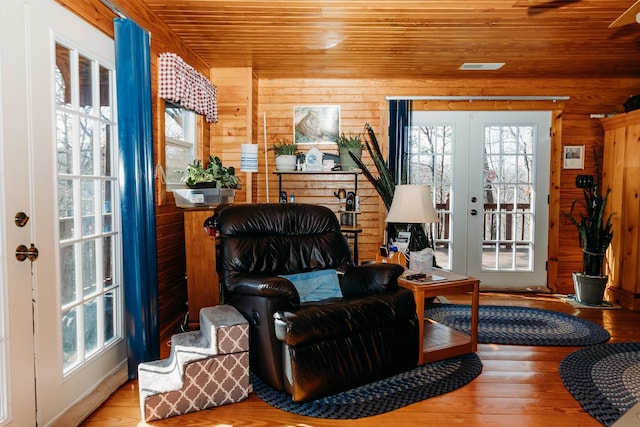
180,141
89,227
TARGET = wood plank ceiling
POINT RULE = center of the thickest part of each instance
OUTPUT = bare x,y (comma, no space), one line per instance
413,39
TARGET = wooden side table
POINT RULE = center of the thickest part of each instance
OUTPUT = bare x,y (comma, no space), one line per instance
439,341
203,288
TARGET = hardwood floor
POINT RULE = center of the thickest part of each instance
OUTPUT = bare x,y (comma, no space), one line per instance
519,386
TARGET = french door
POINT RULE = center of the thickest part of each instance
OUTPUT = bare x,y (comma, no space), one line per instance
64,333
490,177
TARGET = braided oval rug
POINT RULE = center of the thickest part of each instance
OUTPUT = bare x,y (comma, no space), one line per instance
604,379
423,382
498,324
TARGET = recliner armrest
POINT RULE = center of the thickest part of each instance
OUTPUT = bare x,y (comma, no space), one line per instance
370,279
265,286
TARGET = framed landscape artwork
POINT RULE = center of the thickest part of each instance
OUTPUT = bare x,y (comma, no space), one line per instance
316,124
573,157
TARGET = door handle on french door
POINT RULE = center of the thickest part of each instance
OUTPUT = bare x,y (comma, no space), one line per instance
23,253
21,219
473,212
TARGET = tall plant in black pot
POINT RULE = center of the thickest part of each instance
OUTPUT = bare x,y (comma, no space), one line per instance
385,185
594,234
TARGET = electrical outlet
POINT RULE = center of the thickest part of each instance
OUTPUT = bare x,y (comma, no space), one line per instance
584,181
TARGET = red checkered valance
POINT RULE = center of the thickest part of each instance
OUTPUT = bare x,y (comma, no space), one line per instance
181,84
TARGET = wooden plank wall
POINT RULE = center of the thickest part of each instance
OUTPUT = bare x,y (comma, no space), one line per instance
363,101
237,90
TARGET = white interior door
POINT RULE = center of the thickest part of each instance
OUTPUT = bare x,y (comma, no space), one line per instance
62,92
17,388
489,173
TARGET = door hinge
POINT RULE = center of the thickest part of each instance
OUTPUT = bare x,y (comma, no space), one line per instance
548,198
546,266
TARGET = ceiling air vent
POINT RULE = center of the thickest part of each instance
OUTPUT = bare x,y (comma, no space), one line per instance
481,66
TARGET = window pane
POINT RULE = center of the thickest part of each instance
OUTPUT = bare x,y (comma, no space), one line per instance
105,149
85,81
91,326
177,159
88,208
89,268
86,146
63,76
180,137
508,179
68,274
64,143
69,338
107,261
107,199
65,208
430,162
109,316
176,123
525,168
105,93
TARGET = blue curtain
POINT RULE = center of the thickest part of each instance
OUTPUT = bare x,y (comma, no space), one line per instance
133,81
399,122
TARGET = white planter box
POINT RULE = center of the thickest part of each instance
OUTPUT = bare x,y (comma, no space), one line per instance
203,197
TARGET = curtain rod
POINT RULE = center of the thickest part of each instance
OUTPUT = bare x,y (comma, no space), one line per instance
477,98
115,9
120,13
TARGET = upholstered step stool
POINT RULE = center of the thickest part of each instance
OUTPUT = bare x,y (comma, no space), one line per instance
206,368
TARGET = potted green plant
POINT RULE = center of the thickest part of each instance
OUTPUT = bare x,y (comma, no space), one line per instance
385,185
346,145
286,155
594,236
215,175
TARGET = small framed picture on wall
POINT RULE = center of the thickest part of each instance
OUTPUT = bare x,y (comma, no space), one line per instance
573,157
316,124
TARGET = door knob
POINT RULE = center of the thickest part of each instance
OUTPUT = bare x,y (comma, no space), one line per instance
22,253
21,219
473,212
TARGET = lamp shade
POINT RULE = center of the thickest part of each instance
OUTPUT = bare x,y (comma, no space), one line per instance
412,204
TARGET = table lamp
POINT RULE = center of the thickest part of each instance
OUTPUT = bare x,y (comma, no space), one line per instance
412,204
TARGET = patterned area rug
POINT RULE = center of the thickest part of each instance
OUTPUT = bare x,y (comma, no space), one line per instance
520,325
382,396
604,379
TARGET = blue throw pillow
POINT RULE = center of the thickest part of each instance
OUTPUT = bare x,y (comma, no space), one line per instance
316,285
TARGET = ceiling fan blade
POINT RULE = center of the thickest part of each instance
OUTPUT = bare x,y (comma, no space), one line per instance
628,17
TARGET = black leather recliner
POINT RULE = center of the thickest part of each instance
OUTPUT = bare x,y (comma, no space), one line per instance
313,349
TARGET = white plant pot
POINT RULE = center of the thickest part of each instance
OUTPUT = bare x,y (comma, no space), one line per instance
286,163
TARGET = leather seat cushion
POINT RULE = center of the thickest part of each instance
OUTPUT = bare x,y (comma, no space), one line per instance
344,317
